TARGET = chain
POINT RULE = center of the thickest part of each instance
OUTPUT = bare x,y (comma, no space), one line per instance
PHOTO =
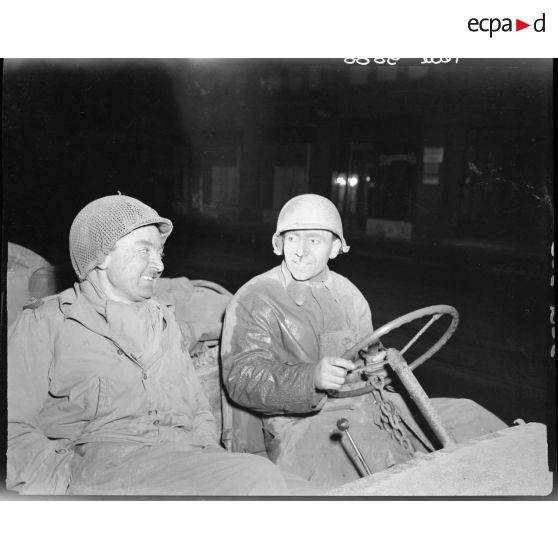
391,421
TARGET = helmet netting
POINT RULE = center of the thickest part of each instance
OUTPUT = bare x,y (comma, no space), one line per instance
100,224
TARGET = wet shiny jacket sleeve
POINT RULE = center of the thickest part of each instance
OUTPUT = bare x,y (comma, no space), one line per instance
255,375
35,464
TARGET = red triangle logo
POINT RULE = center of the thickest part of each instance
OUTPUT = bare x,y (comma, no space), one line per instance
519,25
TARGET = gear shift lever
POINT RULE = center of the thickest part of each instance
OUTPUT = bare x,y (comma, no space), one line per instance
343,426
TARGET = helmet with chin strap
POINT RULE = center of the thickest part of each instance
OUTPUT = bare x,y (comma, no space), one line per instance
308,212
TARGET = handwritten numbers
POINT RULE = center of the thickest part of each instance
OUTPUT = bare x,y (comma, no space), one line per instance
393,61
359,61
438,60
388,61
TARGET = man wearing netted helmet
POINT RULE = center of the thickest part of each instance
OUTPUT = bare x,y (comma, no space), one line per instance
103,398
283,337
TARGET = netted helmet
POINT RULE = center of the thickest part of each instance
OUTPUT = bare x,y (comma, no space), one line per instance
308,212
101,223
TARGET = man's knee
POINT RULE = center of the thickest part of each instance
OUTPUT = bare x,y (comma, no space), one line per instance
264,476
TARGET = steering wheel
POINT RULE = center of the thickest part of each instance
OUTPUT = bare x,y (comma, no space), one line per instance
436,312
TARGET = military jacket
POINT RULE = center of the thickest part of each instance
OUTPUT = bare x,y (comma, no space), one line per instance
71,382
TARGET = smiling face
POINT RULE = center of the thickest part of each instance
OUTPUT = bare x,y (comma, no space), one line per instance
129,272
306,252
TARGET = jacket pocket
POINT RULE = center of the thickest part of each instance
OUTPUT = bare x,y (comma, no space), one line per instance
89,398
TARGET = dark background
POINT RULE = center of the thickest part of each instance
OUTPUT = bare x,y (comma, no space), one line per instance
218,146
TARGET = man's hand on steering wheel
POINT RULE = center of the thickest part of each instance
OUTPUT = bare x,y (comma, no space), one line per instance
358,350
331,372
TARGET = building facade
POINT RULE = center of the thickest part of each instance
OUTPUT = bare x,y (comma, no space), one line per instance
456,149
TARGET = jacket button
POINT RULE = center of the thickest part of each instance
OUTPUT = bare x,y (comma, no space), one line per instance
61,450
119,352
149,412
156,422
145,376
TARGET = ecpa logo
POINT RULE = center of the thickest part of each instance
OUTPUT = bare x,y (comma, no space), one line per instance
494,24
